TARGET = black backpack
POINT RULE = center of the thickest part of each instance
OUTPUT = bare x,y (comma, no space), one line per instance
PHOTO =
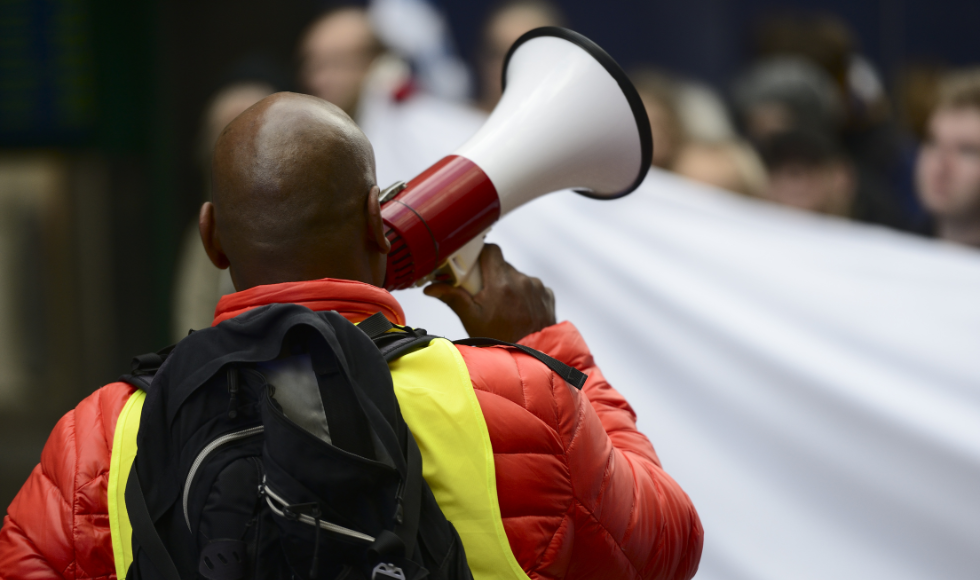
272,446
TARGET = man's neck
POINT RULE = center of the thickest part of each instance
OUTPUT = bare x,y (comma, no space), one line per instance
961,231
272,273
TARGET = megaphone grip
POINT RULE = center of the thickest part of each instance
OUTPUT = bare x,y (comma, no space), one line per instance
437,213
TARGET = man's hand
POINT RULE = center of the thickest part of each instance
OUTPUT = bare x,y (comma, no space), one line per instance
510,306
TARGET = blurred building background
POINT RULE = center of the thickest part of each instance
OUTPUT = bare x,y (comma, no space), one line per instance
101,108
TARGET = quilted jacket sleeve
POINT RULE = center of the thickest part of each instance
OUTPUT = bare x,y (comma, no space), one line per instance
58,524
617,478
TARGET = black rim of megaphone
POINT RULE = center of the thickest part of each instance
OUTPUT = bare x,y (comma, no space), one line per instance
632,97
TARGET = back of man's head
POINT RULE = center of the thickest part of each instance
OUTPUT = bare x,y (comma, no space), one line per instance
293,186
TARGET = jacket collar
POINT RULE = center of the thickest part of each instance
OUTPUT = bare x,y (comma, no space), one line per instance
355,301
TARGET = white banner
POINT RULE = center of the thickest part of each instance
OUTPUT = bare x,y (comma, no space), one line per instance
813,384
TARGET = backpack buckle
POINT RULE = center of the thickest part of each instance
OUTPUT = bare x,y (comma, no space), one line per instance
387,571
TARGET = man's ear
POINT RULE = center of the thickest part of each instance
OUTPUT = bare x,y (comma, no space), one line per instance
375,225
209,236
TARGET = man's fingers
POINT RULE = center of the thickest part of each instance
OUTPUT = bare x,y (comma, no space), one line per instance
493,252
455,297
492,262
437,290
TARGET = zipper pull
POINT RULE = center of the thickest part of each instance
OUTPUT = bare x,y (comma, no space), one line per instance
399,512
293,512
232,376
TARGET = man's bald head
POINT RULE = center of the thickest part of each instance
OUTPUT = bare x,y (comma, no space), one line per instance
294,196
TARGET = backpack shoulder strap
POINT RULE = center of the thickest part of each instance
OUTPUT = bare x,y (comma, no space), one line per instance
396,344
395,341
145,532
144,367
572,376
392,340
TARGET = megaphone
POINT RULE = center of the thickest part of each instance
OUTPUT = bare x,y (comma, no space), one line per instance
569,118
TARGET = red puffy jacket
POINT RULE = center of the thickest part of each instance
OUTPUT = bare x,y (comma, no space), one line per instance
581,491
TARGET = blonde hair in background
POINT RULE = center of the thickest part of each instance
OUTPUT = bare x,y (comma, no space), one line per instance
730,164
658,93
755,179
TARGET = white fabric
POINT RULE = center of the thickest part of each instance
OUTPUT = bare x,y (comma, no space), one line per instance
813,384
417,30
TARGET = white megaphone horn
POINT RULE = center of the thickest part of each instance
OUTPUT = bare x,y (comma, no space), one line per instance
569,118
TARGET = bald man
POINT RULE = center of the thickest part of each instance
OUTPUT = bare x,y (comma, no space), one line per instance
573,489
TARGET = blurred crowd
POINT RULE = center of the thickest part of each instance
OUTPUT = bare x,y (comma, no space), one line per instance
808,123
88,220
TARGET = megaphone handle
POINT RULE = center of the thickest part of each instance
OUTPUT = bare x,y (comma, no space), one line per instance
465,265
473,282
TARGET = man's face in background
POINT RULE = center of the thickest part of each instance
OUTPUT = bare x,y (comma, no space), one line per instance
336,55
948,167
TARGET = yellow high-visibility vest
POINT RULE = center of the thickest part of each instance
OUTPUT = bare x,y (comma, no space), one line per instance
437,400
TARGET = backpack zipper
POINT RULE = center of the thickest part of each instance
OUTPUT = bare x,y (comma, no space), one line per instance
203,455
271,496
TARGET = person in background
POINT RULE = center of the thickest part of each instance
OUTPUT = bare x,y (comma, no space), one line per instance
702,112
916,94
731,165
786,93
948,165
789,100
809,171
659,96
865,130
506,23
336,53
863,125
680,111
418,30
342,61
198,285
